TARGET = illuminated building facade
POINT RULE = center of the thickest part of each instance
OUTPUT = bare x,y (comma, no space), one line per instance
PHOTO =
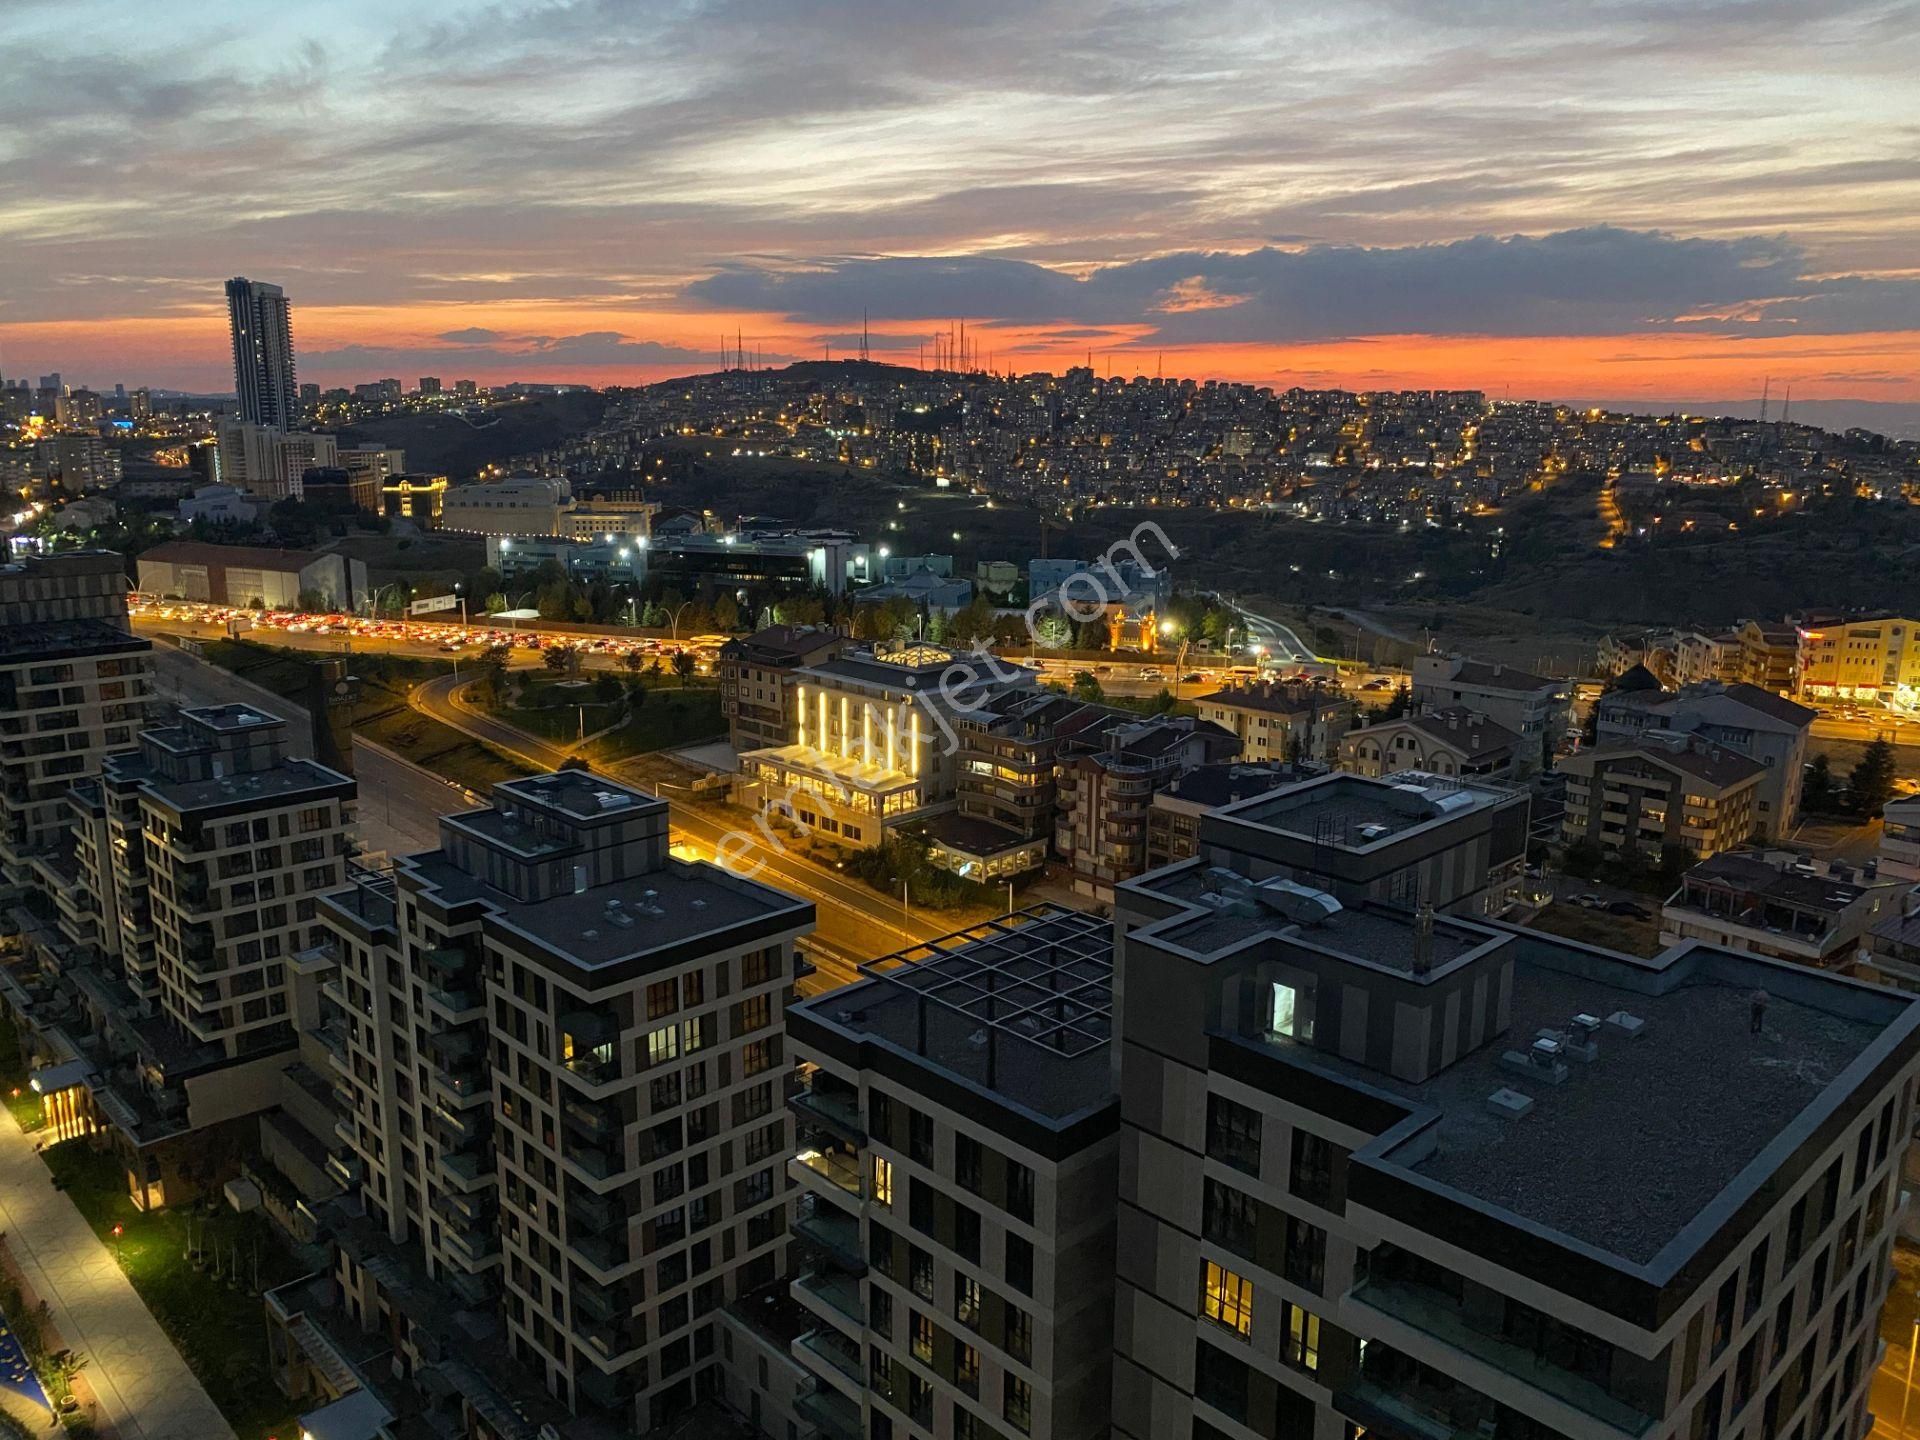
875,740
1876,659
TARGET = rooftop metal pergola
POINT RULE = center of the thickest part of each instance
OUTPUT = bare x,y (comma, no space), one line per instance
1043,975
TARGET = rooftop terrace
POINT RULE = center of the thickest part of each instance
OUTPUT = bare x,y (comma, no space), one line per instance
1019,1007
1356,812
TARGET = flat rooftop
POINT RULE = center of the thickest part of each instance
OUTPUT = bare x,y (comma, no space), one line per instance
579,794
624,921
1019,1007
1370,933
280,784
230,719
55,639
1355,812
1634,1145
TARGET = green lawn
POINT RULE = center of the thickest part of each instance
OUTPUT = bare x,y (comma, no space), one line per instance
218,1325
667,714
24,1104
382,713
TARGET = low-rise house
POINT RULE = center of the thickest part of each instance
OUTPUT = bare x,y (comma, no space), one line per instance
1778,904
1450,741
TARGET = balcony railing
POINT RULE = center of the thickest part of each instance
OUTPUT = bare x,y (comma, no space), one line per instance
838,1292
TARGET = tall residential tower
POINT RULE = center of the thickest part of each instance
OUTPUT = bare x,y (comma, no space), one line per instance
262,324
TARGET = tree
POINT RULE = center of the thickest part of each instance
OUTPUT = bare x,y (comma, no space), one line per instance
683,665
974,623
558,658
726,614
1870,785
1053,631
634,661
1816,791
1086,687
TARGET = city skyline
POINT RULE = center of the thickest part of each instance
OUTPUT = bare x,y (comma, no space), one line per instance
1616,203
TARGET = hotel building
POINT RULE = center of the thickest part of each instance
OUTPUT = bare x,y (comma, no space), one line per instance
876,739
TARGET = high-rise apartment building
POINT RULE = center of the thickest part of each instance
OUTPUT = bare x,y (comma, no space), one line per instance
74,686
561,1059
958,1167
211,846
1423,1176
261,322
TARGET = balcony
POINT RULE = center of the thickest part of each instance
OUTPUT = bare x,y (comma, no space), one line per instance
450,1048
603,1254
346,1170
832,1231
604,1303
476,1245
832,1414
599,1122
457,1007
828,1352
592,1214
594,1165
835,1106
836,1167
466,1171
608,1392
462,1088
833,1295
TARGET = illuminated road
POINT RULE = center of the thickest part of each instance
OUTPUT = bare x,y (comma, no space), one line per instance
855,923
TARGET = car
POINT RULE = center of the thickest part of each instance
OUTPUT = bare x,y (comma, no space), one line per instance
1196,678
1628,907
1588,901
1377,684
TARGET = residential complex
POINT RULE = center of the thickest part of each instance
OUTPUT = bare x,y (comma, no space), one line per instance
208,848
1398,1173
74,686
1644,798
1279,722
561,1067
1532,706
1745,719
958,1166
758,681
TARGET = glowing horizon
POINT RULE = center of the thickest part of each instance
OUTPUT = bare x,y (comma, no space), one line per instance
1552,201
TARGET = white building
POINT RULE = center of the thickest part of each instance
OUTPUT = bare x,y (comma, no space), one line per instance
220,505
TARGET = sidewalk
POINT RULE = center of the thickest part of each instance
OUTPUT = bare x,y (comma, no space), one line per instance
144,1388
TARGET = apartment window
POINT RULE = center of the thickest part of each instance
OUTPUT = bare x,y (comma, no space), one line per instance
1233,1134
1020,1335
1311,1175
1019,1191
922,1338
966,1368
757,968
966,1302
883,1181
1756,1278
966,1162
880,1116
663,1044
756,1057
1782,1328
1306,1255
966,1233
920,1272
919,1137
1018,1404
1228,1217
1796,1231
1301,1348
756,1013
663,998
1019,1266
1227,1299
1723,1314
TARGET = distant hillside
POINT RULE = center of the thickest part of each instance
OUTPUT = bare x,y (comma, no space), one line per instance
449,444
1894,419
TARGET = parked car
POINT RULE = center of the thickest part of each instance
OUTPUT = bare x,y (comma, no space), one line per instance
1588,901
1629,907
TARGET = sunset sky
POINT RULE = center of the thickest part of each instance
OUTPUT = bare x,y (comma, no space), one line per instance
1564,198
